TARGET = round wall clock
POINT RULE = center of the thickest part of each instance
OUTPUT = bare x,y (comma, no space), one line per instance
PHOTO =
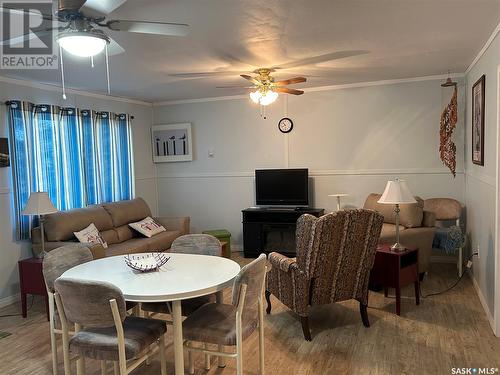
285,125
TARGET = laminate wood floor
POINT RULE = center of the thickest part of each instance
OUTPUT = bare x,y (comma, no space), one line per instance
444,332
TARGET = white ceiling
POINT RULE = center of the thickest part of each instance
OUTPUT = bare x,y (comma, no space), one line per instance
402,38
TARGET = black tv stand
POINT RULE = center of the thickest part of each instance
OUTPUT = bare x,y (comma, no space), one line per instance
268,229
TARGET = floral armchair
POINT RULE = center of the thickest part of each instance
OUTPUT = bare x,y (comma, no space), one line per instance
335,254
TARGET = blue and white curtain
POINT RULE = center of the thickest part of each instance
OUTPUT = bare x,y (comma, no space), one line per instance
79,157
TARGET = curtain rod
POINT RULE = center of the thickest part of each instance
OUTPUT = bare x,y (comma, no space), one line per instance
9,102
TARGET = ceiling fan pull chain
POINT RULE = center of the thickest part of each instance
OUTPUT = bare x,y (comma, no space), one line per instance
62,73
286,105
92,61
107,70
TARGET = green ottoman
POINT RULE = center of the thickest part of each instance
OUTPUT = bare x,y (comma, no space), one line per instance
224,236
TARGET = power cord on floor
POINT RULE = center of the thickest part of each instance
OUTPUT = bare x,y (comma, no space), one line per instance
28,309
468,266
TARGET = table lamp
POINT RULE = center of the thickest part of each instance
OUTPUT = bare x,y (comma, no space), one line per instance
396,192
39,204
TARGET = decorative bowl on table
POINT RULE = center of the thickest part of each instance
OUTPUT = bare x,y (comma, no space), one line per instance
146,262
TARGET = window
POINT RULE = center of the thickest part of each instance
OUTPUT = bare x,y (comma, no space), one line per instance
79,157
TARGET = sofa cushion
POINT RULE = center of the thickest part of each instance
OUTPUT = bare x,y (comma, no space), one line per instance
125,233
148,227
125,212
162,241
91,235
389,231
61,225
410,216
135,245
110,236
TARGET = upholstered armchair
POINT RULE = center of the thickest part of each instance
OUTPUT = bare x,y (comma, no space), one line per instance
335,254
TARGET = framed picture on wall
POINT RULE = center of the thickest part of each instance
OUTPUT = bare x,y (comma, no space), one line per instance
4,153
478,121
172,142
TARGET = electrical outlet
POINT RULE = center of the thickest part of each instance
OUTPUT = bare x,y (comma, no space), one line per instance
478,252
469,264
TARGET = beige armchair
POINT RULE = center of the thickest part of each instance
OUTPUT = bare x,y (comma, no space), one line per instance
335,254
416,227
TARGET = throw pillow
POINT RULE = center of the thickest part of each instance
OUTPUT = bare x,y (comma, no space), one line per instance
91,235
148,227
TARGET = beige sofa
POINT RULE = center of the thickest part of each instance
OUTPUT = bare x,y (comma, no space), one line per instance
111,219
416,227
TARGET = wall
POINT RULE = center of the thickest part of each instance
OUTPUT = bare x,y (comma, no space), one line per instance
481,181
10,250
352,140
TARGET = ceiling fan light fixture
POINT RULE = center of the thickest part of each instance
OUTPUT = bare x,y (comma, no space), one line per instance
268,98
83,44
255,96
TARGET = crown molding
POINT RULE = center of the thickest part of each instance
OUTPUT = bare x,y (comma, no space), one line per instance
48,87
484,49
318,88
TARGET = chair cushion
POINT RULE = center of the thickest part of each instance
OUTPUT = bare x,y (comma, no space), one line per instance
188,306
135,245
60,226
215,323
125,212
102,343
162,241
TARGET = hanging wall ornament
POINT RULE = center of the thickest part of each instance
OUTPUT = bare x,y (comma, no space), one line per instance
447,148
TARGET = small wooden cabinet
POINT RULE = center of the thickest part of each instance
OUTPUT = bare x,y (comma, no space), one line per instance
32,282
396,269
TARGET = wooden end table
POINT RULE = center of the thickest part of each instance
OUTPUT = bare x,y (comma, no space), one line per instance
32,282
396,269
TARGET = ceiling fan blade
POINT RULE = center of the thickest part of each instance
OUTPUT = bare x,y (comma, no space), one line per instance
114,48
288,91
22,38
20,12
321,58
147,27
235,87
205,74
100,8
290,81
251,79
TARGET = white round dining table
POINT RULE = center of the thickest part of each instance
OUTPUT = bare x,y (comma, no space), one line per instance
184,276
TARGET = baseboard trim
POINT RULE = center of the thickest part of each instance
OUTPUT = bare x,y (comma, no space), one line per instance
6,301
483,302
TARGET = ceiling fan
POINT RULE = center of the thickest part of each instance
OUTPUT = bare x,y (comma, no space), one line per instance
266,88
82,34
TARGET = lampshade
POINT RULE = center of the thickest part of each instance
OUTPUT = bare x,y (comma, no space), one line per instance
396,192
82,44
39,204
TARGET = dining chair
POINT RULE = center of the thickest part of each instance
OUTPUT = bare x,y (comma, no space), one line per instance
54,264
335,254
103,331
202,244
229,324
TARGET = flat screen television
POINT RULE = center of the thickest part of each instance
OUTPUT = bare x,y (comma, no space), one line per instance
282,187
